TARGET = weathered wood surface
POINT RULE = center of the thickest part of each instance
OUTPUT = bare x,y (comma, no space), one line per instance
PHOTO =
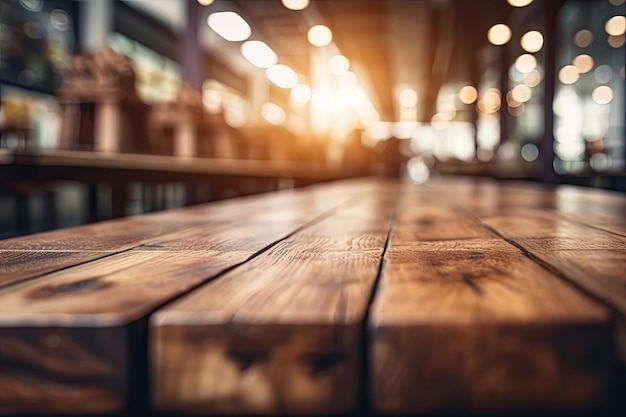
282,333
18,265
71,341
492,298
473,324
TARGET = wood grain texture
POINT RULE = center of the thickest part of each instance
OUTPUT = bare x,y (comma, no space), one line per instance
539,231
108,295
113,235
18,266
280,334
601,273
474,325
420,220
110,299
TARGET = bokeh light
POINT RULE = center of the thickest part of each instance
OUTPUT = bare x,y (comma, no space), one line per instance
583,38
532,41
499,34
525,63
602,94
301,93
468,94
320,35
408,97
295,4
583,63
568,74
338,64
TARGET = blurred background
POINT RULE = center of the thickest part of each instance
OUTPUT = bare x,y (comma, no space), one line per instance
118,107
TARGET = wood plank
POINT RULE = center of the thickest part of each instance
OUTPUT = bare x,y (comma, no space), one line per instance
600,273
474,325
114,235
279,335
544,231
52,354
18,266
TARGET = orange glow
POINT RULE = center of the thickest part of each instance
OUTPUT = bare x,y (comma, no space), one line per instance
348,80
301,93
468,94
320,35
322,107
338,64
408,97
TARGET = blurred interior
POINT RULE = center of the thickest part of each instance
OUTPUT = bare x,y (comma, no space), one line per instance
510,89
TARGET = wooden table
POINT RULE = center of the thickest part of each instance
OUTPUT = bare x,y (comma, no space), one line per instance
201,179
342,298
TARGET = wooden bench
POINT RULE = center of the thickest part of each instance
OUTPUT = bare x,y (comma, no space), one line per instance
348,297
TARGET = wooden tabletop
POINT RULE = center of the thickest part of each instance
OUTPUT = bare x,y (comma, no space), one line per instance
340,298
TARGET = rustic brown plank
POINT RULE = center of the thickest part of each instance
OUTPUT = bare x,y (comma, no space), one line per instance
281,334
18,266
114,235
540,231
475,325
601,273
48,322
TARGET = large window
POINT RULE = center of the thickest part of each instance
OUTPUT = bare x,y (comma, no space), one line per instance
36,39
589,102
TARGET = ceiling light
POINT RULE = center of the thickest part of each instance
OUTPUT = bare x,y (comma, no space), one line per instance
205,2
519,3
273,113
282,76
296,4
301,93
319,35
408,97
499,34
338,64
532,41
259,54
230,26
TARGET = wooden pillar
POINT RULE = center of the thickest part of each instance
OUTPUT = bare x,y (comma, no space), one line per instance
107,127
